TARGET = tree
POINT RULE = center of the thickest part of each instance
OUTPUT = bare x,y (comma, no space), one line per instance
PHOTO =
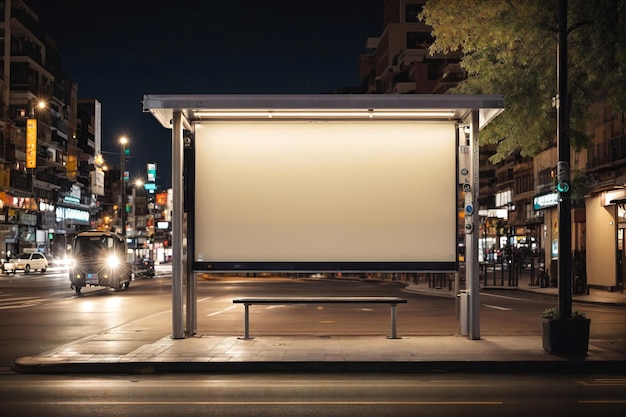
510,47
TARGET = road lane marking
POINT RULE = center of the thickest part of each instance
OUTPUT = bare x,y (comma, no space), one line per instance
82,403
503,296
603,382
20,298
98,384
9,307
221,311
497,307
602,402
275,306
20,302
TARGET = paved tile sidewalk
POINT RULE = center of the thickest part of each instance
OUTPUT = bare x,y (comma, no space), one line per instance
145,345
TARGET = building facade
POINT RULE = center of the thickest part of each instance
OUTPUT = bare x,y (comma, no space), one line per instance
518,199
45,189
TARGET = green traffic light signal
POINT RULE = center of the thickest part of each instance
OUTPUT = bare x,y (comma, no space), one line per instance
562,175
126,151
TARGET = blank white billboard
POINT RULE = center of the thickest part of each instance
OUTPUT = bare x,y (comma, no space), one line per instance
325,195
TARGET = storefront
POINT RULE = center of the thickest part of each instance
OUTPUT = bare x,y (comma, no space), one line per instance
606,220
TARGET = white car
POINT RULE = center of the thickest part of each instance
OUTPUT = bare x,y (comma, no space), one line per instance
26,262
62,262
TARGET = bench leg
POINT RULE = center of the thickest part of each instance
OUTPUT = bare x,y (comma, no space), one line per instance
246,323
393,322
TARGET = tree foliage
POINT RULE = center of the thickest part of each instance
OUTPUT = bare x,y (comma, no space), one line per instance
510,47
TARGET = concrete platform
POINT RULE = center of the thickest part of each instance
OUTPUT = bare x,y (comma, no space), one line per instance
145,345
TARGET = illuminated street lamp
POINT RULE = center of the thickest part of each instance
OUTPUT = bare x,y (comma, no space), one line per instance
123,142
138,183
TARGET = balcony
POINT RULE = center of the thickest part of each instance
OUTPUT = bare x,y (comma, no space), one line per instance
28,22
20,180
27,49
607,154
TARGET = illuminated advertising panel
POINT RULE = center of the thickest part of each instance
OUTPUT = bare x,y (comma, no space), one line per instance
31,143
325,195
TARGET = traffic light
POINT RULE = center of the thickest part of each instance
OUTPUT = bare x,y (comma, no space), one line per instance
562,177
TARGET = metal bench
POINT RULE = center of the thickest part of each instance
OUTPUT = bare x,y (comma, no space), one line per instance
248,301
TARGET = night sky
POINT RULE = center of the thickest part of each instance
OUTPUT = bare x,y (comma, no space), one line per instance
119,50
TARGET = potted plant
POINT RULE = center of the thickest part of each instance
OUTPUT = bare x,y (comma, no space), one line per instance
565,336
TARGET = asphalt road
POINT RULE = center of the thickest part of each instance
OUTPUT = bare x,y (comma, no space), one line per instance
39,312
312,395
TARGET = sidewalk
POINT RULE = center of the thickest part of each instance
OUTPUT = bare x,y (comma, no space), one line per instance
145,345
594,296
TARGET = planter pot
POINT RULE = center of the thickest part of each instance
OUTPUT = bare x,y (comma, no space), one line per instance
566,337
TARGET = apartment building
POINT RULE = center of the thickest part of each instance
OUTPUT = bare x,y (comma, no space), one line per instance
517,196
45,192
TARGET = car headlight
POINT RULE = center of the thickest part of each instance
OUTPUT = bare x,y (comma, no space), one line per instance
113,261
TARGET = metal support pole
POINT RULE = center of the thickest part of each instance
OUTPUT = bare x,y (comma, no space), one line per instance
177,226
563,147
246,322
394,335
189,208
471,241
123,188
457,290
192,290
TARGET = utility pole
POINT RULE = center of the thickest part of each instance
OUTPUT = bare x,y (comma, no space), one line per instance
123,142
563,171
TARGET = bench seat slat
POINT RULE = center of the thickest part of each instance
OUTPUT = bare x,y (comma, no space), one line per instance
311,300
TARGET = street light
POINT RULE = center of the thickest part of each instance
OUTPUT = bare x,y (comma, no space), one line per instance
138,183
123,142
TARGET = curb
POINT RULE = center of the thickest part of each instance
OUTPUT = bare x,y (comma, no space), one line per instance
559,366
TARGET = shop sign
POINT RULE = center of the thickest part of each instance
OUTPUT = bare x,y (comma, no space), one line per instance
71,199
31,143
545,201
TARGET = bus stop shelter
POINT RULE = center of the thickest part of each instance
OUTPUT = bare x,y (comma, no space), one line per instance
322,183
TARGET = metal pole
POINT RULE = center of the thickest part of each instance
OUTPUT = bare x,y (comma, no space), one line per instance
192,288
457,290
189,208
246,321
563,146
393,321
123,188
471,241
177,226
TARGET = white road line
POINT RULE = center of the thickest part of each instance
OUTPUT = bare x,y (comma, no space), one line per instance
19,302
270,403
23,305
276,306
497,307
221,311
19,299
502,296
